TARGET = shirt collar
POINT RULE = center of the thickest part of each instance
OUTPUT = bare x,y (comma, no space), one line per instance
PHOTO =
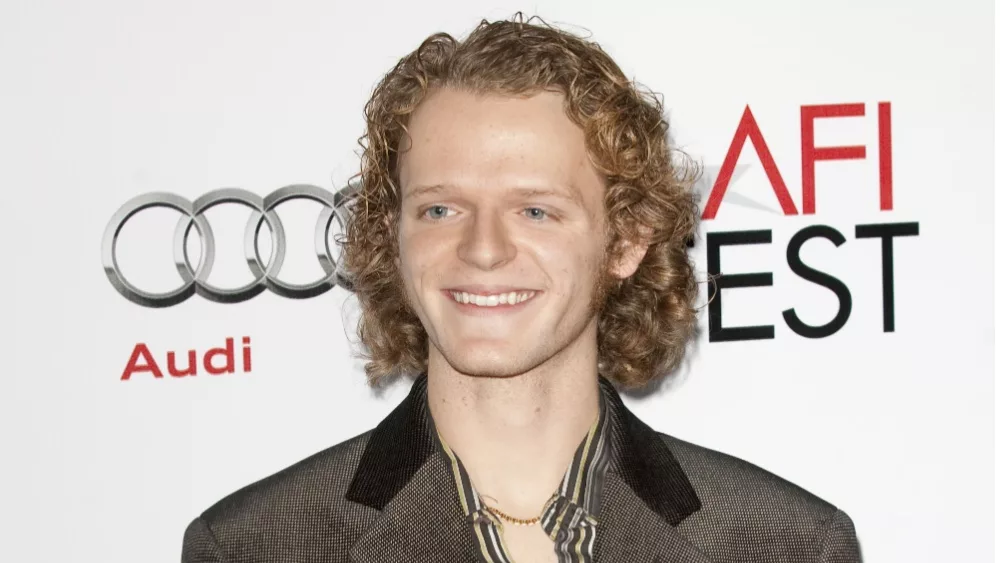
406,439
580,484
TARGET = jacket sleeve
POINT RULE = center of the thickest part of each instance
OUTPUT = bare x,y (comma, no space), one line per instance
839,542
200,545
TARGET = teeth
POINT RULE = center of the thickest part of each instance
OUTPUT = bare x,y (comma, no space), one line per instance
511,298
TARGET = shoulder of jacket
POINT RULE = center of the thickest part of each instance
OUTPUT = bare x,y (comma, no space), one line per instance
724,479
749,513
319,479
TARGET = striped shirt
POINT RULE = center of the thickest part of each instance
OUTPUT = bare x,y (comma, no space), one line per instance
570,515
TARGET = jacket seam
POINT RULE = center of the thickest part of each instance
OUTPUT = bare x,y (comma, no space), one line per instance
824,534
215,540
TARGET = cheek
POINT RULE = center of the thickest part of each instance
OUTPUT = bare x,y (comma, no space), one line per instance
418,255
408,261
411,271
573,266
411,245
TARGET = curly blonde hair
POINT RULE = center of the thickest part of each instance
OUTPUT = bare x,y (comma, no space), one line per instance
645,320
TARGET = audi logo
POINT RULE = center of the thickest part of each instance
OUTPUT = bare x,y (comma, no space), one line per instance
336,207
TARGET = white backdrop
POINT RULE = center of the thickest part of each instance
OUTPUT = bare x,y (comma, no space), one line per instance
106,100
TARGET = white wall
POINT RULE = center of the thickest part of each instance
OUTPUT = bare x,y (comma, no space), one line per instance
106,100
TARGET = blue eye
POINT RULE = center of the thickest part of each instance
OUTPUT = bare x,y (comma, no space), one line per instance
436,212
535,213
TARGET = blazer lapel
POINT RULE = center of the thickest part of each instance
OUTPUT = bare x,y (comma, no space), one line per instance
422,523
628,530
404,476
646,494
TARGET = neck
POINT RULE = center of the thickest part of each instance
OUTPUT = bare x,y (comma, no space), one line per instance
516,435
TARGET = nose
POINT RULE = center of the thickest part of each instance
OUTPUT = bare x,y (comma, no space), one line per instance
486,243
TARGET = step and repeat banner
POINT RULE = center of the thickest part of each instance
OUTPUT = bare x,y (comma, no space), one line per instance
176,326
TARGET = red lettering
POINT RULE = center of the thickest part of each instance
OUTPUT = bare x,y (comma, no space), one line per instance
885,155
748,128
216,361
811,153
246,354
226,353
133,365
192,367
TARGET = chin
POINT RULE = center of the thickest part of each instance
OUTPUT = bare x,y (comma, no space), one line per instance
489,363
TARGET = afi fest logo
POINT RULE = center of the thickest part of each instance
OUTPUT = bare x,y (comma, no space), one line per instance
886,233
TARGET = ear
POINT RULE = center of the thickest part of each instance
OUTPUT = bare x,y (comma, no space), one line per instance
629,255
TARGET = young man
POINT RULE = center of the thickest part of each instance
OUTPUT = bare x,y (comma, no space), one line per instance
519,242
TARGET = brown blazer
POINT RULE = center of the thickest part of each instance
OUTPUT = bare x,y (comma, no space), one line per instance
388,496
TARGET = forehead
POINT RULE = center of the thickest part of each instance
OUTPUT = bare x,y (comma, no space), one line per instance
482,140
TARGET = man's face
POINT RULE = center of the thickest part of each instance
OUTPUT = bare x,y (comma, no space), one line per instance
501,236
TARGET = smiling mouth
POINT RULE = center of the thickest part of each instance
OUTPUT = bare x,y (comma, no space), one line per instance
492,300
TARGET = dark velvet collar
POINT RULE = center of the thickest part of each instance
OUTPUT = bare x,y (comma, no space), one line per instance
405,439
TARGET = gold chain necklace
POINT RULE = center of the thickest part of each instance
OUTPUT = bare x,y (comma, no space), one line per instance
516,521
508,518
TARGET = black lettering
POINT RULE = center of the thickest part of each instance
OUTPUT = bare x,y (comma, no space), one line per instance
818,278
714,242
886,232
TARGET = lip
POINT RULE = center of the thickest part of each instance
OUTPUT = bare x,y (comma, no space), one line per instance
486,289
499,309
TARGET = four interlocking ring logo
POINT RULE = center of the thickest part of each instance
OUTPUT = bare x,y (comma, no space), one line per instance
195,277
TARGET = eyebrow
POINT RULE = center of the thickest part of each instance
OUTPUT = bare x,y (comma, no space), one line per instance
423,190
572,196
